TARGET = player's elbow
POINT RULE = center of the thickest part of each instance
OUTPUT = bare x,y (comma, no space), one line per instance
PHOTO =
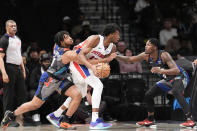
177,71
65,60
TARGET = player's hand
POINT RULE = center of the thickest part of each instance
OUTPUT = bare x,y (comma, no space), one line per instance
195,62
156,70
93,68
111,57
5,78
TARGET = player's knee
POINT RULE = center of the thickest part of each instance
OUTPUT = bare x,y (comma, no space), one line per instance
174,92
99,86
35,106
98,90
77,95
147,97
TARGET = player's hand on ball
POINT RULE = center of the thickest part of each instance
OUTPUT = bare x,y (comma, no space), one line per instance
93,68
103,70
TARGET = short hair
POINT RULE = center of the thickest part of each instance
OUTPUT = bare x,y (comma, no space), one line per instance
9,21
59,36
155,42
110,28
126,50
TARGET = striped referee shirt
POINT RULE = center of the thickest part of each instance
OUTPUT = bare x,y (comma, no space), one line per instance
11,46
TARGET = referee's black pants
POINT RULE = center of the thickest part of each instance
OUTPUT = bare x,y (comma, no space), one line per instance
14,92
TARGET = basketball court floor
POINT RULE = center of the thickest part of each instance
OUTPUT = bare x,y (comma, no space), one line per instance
117,126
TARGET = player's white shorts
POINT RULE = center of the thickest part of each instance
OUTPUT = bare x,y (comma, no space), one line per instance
82,77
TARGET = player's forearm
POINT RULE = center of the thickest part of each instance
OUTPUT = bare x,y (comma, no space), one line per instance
84,61
172,71
122,58
96,61
93,61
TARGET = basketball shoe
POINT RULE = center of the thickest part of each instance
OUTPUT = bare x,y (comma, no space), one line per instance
53,119
99,124
146,122
8,117
66,124
188,123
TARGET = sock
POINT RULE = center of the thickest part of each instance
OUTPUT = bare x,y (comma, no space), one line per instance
94,116
13,116
58,112
189,116
151,118
67,102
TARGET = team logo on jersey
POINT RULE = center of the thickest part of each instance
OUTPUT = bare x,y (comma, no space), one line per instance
98,54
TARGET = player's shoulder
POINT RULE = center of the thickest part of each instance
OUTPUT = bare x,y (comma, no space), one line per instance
165,54
93,40
94,37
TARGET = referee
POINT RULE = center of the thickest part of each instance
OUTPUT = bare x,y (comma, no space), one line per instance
12,68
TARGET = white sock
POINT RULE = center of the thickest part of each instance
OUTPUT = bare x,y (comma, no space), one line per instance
94,116
67,102
58,112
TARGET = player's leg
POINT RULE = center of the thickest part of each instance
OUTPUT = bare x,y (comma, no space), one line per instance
149,100
177,91
76,96
97,85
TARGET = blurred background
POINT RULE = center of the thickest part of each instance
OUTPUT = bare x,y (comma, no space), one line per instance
173,22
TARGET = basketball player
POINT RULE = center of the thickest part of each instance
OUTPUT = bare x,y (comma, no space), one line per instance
174,80
55,78
54,117
94,47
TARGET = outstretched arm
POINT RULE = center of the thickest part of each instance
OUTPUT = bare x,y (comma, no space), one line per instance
132,59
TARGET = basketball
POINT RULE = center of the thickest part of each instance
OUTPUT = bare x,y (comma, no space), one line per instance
103,70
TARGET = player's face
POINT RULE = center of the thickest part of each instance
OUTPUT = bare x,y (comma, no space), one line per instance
68,40
115,37
149,48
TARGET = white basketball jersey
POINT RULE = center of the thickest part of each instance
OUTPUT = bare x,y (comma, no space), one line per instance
99,51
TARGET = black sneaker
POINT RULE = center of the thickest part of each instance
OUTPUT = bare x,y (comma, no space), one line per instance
8,116
13,124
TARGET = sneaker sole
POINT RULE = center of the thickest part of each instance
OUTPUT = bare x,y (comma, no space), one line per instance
52,122
187,126
99,128
151,126
71,128
139,125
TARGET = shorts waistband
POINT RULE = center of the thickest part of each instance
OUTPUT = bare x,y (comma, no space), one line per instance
9,64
